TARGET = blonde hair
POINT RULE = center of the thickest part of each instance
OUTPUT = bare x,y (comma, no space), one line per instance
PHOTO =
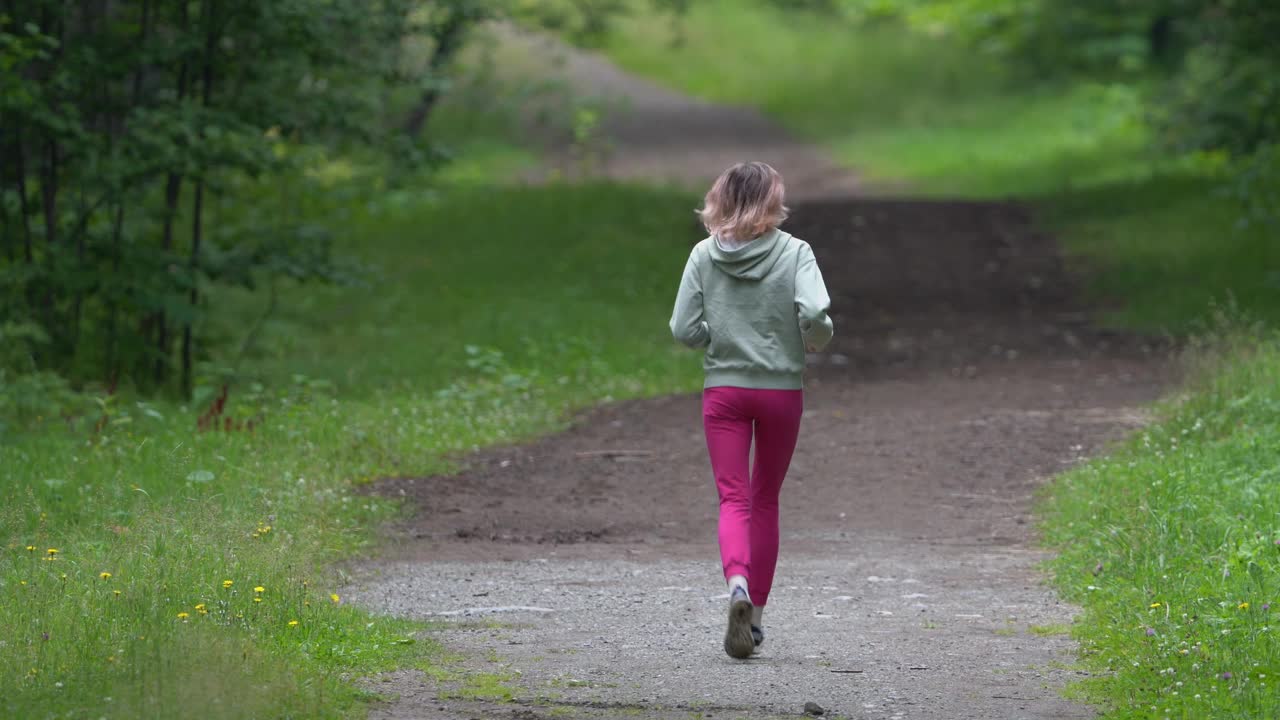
745,202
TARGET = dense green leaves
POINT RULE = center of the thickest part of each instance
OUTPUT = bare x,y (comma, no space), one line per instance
138,136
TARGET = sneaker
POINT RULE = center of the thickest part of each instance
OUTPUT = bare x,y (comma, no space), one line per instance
738,641
757,634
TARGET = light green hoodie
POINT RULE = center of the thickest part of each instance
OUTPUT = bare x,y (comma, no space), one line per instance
755,309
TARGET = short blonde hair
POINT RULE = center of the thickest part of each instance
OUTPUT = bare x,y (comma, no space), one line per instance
745,202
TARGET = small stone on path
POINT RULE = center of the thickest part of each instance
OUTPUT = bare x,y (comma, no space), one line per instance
814,709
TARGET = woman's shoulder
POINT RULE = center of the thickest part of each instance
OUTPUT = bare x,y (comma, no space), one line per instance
792,243
702,249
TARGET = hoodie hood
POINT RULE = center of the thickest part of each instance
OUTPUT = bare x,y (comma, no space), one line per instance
752,261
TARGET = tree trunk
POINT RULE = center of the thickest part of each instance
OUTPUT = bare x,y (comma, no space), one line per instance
448,40
172,193
23,207
117,228
197,212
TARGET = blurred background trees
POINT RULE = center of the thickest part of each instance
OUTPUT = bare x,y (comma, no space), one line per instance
151,150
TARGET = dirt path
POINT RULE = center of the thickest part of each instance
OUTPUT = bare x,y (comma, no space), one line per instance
963,375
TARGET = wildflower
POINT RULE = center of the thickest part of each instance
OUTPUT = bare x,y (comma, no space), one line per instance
227,583
1243,606
1226,675
1151,631
64,576
31,548
117,593
24,582
257,599
183,616
200,609
52,551
293,623
1266,606
1155,605
104,575
334,597
259,589
306,603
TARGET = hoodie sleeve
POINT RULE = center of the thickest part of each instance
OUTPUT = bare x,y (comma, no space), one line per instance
812,301
687,324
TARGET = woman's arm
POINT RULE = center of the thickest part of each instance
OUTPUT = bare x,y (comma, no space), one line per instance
687,324
812,302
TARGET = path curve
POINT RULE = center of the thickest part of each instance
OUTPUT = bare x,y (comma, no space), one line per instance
964,374
656,135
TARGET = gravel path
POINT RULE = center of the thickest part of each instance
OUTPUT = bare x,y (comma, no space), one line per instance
578,583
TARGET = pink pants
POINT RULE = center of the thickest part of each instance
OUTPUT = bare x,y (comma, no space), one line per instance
749,495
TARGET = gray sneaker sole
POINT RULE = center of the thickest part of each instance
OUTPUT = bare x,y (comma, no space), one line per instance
738,642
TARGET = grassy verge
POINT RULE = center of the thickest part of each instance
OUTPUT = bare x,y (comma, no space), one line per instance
487,316
1172,545
1161,254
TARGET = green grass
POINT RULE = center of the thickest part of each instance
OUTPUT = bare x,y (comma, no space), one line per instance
1172,545
1160,255
488,315
920,113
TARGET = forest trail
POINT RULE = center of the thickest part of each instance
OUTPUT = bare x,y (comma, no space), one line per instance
579,573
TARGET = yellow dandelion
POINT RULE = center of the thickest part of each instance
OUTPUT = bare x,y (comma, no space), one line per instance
334,597
306,603
1155,605
117,593
1243,606
183,616
24,582
200,609
64,576
264,529
254,536
104,575
227,583
52,551
259,589
31,548
257,599
293,623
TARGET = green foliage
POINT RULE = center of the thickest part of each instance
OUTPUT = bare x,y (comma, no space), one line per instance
125,123
1220,59
1172,546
